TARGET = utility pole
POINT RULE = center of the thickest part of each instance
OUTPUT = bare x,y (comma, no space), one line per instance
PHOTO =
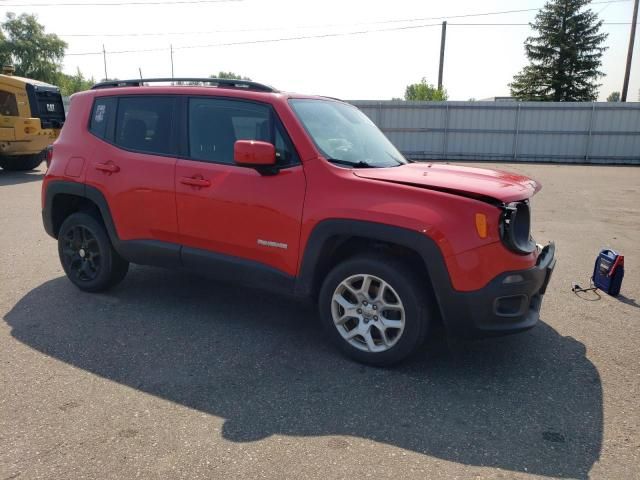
632,38
140,70
171,47
442,41
104,56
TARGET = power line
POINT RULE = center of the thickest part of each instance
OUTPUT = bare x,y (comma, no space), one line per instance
118,4
517,24
301,37
243,30
310,27
267,40
183,2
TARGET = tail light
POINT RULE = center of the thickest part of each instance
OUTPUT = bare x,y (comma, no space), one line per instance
48,155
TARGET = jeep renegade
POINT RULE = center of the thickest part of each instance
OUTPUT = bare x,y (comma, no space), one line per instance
301,195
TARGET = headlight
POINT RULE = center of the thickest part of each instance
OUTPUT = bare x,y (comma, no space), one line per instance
515,227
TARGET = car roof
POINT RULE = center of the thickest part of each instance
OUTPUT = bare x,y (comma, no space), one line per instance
200,90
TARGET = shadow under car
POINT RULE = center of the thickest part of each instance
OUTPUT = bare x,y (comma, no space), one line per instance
530,402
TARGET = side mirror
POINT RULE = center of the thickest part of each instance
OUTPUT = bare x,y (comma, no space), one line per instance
256,154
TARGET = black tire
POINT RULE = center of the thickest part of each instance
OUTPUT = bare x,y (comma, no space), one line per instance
411,290
87,256
19,163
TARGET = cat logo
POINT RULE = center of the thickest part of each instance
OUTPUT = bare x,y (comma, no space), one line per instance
51,107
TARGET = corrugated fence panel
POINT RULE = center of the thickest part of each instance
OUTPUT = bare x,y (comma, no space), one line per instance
511,131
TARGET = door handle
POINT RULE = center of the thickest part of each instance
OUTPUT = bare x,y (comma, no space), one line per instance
107,167
195,181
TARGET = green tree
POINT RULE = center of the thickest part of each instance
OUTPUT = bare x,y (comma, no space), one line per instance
564,54
425,91
613,97
70,84
34,53
229,75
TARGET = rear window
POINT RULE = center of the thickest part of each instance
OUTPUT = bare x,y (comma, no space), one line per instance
103,115
143,124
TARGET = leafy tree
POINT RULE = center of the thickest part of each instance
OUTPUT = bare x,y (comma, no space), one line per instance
70,84
565,54
614,97
425,91
34,53
229,75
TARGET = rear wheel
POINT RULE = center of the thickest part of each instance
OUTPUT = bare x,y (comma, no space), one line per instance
374,309
21,162
87,256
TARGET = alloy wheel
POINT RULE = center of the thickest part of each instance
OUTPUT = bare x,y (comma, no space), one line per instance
368,313
81,253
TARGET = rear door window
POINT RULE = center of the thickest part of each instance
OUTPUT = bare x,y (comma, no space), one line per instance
144,124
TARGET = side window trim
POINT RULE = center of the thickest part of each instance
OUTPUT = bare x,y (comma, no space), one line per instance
276,125
280,128
110,134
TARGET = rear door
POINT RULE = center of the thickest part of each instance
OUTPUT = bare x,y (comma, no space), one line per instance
233,212
133,165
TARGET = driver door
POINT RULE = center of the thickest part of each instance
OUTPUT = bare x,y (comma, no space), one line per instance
234,215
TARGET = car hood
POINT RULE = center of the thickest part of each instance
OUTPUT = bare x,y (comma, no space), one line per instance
479,183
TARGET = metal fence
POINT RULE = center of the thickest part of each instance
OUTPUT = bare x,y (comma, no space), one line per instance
564,132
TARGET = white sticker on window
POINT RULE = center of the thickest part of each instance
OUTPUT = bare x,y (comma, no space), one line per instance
99,116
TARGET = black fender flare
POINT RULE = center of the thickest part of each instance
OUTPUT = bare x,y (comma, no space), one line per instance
79,190
327,233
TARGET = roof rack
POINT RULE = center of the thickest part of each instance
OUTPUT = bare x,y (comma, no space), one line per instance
216,82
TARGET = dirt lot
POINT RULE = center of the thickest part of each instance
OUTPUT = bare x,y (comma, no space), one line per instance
170,376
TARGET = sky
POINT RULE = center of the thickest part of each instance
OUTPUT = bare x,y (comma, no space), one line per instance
398,43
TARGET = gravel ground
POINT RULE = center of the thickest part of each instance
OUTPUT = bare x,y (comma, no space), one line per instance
172,376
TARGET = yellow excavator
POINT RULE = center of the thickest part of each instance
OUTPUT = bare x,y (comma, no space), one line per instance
31,117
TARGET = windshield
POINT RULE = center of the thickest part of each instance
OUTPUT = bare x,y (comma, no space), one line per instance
345,135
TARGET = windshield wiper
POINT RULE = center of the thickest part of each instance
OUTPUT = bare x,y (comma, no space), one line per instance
358,164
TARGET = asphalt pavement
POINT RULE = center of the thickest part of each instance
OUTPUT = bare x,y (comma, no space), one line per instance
170,375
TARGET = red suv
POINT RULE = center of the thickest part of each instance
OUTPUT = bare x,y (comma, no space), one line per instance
301,195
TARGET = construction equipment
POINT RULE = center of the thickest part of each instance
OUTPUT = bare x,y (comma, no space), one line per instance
31,117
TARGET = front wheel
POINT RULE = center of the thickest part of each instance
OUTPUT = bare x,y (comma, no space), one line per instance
375,309
87,256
